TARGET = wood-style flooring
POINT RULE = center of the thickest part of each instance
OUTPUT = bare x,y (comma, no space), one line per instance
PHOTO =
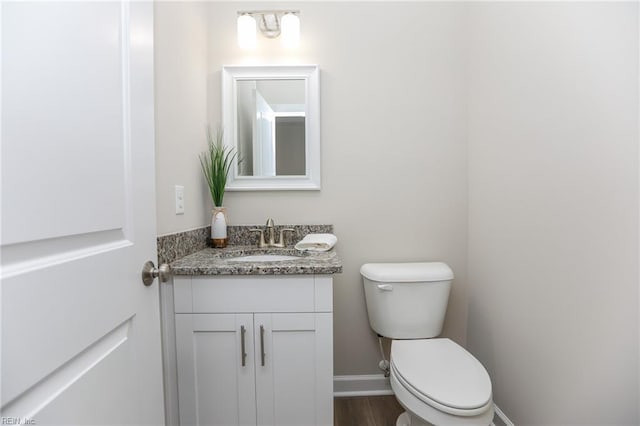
366,411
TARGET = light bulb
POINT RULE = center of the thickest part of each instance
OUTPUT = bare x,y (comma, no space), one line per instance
290,24
246,31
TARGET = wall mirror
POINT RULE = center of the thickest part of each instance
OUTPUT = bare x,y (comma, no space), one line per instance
271,116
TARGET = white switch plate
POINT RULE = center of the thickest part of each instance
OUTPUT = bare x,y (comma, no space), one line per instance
179,199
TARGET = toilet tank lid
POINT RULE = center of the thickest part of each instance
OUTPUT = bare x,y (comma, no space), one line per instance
407,272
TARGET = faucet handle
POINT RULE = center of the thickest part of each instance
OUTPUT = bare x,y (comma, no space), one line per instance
269,222
282,235
261,242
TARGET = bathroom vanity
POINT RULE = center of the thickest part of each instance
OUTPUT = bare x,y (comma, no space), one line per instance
254,338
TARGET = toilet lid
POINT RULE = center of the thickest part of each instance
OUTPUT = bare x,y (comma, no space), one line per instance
442,371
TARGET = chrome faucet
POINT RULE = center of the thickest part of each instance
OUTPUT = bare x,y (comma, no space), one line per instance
270,228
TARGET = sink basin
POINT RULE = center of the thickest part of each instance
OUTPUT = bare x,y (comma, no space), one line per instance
263,258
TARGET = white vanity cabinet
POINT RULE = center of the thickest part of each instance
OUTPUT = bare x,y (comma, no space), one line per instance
254,350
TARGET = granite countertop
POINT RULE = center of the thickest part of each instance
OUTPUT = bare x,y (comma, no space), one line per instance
211,261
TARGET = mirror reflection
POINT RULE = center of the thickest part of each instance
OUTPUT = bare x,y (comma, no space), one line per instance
271,127
271,114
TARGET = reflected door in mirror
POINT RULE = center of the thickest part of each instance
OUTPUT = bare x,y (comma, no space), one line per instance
271,127
271,117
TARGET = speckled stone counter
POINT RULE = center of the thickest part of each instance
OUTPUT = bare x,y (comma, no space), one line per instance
172,247
212,261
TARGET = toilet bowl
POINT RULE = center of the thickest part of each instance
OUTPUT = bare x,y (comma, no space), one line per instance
436,380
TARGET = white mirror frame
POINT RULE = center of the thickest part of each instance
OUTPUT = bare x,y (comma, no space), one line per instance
310,74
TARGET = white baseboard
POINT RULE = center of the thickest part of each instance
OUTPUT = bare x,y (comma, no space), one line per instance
377,384
361,385
504,420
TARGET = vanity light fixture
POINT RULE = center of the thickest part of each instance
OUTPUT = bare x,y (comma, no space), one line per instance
246,31
290,30
272,24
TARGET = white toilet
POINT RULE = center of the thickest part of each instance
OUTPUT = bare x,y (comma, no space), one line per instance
437,381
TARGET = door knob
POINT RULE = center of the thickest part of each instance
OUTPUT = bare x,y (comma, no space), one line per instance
150,272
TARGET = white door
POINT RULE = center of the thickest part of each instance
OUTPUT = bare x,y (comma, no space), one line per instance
80,340
264,144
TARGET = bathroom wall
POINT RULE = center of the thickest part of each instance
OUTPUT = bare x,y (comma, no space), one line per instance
180,48
394,162
553,208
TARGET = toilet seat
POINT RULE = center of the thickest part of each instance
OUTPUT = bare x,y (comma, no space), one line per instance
442,374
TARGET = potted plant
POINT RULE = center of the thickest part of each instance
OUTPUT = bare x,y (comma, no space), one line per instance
216,163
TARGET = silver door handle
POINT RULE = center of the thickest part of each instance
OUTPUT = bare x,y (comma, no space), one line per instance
150,272
243,356
262,354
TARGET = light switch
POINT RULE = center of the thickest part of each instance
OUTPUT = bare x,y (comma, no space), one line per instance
179,199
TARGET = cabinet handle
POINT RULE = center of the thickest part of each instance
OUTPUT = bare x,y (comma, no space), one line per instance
243,356
262,354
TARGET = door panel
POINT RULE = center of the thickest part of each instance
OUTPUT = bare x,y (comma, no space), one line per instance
264,160
105,371
63,101
80,333
50,318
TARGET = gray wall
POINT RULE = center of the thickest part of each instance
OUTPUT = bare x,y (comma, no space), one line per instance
553,209
290,146
180,49
408,171
510,128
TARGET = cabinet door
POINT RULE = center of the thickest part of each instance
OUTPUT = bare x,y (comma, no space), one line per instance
294,369
215,369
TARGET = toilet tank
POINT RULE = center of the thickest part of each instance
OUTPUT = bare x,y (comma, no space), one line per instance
407,300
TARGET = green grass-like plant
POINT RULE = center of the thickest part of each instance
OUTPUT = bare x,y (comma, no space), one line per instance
216,163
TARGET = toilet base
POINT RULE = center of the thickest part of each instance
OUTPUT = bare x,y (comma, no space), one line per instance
406,419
